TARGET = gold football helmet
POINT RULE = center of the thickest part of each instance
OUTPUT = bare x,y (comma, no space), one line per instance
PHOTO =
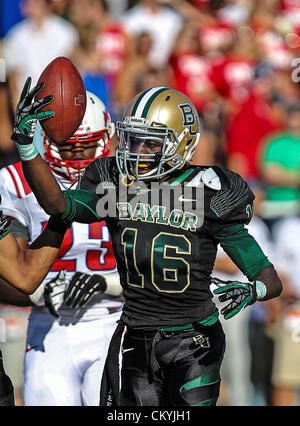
157,135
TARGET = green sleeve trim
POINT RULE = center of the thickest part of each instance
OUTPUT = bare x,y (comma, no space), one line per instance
243,250
181,178
3,234
81,206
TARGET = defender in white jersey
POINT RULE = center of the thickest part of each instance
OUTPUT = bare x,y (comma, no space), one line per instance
65,354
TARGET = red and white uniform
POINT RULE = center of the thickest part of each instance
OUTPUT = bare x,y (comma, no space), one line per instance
79,338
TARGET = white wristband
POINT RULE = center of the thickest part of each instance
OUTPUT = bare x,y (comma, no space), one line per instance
113,286
27,152
37,298
261,290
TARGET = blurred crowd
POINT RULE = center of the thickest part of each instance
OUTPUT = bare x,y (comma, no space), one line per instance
239,62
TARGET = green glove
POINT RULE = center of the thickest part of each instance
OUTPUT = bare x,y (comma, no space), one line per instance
26,116
241,295
4,224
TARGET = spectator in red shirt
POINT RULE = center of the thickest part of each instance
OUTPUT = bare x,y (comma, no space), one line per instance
233,74
191,69
191,75
247,129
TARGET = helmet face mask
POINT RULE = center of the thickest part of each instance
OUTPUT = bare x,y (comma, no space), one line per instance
135,148
95,132
158,117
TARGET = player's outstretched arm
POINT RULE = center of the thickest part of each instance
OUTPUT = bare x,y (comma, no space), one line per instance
37,174
44,186
25,270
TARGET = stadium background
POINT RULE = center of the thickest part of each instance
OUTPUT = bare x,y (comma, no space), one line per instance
238,62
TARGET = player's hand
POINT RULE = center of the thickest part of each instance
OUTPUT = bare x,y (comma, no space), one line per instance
54,292
81,289
241,295
4,224
27,113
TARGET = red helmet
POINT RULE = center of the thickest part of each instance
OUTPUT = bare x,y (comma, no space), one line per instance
96,126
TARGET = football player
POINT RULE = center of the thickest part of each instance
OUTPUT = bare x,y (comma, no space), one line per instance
23,270
26,269
174,343
67,339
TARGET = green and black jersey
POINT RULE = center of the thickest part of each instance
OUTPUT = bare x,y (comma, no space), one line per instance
164,257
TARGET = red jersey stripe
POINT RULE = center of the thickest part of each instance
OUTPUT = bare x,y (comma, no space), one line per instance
14,181
26,187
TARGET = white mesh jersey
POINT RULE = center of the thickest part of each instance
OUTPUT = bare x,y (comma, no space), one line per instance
86,247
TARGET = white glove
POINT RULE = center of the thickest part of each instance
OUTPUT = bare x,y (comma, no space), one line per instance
54,292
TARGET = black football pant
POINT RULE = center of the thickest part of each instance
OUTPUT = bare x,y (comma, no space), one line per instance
172,368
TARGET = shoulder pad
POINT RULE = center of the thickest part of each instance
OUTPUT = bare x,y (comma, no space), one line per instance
101,170
211,179
233,197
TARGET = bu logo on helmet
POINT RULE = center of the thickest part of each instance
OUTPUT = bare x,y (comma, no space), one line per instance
189,118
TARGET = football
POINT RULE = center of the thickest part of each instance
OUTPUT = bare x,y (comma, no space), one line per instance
62,81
